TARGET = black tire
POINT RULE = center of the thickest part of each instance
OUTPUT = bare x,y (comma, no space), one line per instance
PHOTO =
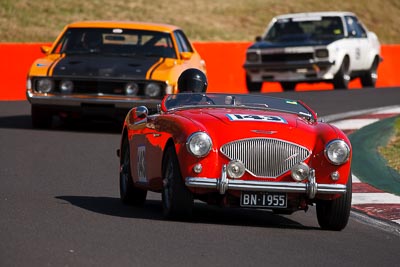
288,86
371,76
253,87
41,117
129,194
342,77
177,200
334,214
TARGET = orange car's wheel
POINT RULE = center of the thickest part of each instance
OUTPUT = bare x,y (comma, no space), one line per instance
129,194
177,200
334,214
41,118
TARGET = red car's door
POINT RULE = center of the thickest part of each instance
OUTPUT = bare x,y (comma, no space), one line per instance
146,154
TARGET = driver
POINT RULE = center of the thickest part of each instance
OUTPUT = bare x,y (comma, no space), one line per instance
192,84
192,80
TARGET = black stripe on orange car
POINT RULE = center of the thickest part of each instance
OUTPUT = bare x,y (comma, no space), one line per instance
154,67
53,64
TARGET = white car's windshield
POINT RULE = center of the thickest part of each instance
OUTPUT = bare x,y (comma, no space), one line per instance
295,29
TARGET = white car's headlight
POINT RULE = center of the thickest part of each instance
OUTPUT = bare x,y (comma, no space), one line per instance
199,144
322,53
252,57
44,85
337,152
152,90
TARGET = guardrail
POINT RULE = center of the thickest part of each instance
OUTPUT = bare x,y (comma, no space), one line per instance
224,62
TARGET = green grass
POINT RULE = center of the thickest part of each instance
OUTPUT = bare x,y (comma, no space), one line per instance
391,152
202,20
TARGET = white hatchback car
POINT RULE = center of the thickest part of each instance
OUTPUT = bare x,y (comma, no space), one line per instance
313,47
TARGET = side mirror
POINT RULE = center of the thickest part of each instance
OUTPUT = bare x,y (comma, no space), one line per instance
352,34
137,114
141,112
45,49
186,55
258,39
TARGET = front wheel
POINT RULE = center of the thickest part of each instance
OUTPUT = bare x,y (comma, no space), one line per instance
177,200
129,194
288,86
334,214
253,87
342,77
41,117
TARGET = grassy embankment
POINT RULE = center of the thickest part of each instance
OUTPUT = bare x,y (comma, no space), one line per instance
202,20
391,152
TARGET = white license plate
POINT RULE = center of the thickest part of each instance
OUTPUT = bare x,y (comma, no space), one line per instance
263,200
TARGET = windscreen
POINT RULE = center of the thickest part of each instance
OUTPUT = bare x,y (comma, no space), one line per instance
317,28
210,100
116,42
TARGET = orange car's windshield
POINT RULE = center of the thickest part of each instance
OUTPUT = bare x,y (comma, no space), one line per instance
116,42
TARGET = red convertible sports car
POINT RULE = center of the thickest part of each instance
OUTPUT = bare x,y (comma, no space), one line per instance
249,151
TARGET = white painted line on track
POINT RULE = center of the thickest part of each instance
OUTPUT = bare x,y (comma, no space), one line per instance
388,111
368,199
374,198
355,179
353,124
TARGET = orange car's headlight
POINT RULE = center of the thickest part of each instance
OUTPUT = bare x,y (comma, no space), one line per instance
44,85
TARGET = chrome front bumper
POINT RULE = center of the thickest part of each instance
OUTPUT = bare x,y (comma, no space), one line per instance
77,100
222,184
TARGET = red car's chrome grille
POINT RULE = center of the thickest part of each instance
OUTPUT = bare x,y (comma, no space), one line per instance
265,157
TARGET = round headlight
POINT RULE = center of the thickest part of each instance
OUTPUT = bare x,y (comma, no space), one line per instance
235,169
252,57
337,152
152,90
131,88
300,171
45,85
199,144
66,86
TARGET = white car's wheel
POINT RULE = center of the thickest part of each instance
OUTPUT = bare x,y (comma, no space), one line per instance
253,87
371,76
342,77
288,86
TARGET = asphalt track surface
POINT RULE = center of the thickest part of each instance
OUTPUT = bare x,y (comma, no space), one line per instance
59,206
